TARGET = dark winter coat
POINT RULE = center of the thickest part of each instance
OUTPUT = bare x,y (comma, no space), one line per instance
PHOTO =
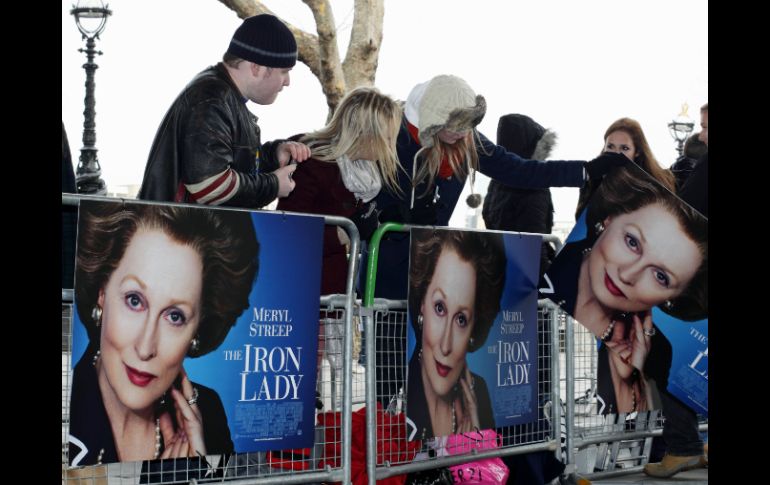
320,190
681,169
522,210
208,132
696,189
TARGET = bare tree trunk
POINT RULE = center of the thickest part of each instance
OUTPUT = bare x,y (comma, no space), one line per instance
320,53
360,66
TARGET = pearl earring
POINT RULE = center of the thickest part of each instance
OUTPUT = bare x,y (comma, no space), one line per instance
96,315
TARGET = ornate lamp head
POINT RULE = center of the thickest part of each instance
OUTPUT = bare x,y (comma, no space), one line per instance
91,17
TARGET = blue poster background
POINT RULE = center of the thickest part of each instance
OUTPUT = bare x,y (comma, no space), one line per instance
289,278
688,377
512,402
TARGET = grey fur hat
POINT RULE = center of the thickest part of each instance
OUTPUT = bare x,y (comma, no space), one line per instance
445,101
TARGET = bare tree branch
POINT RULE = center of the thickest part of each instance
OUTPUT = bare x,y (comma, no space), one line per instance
331,77
321,54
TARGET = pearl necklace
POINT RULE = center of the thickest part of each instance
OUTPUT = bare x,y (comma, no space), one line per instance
157,445
607,331
157,424
157,437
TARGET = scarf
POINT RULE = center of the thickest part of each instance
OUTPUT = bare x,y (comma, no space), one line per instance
360,177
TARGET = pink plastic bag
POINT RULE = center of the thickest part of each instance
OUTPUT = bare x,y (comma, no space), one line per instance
488,471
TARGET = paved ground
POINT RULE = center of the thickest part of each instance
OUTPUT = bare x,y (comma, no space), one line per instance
692,477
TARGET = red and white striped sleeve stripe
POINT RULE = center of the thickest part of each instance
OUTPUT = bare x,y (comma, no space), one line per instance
215,190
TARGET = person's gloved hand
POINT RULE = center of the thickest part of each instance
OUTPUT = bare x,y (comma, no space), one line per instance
366,221
599,166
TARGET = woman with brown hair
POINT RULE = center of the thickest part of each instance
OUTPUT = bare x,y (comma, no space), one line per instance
626,136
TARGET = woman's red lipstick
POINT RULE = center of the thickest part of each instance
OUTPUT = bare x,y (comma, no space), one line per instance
139,378
611,287
442,370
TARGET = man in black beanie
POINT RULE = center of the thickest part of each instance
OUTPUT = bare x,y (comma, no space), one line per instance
207,149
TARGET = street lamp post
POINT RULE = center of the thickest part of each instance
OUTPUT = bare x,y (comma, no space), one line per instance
680,128
90,17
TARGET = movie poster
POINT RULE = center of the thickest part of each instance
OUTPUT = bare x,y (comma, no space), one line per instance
634,273
688,379
472,337
195,328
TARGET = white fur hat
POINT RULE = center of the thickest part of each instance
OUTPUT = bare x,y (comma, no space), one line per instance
445,101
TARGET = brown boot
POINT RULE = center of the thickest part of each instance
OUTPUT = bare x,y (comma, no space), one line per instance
670,465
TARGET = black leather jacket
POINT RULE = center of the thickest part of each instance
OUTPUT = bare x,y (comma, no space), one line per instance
207,131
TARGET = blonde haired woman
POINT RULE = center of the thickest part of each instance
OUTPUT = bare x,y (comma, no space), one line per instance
352,158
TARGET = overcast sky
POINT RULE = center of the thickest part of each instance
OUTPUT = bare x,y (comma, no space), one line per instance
574,67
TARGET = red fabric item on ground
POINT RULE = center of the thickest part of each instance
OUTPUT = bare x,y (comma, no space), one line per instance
391,443
295,459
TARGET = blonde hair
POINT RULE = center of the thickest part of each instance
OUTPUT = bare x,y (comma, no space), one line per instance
461,155
366,121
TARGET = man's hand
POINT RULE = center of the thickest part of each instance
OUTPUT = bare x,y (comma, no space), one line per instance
292,150
285,182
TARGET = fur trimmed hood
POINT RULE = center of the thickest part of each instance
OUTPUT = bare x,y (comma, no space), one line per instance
445,101
525,137
545,145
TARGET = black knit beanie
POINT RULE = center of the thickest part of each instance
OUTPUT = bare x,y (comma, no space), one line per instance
264,40
519,134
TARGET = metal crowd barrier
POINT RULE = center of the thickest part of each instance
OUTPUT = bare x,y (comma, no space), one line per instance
600,446
386,363
333,386
596,446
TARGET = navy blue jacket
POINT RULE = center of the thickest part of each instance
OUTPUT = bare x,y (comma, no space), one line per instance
494,161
